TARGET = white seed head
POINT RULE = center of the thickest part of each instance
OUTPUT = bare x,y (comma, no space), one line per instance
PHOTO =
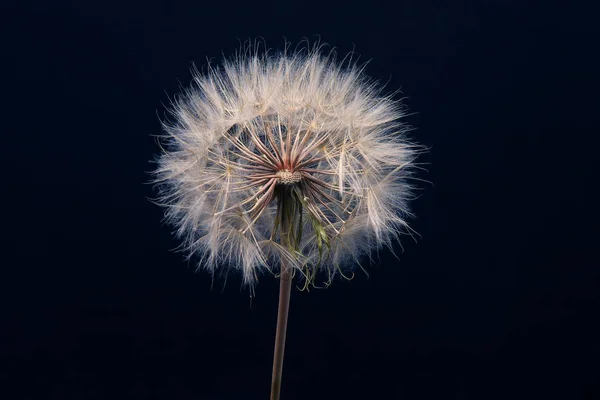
298,120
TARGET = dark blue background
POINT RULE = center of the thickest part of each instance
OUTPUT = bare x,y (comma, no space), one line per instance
498,299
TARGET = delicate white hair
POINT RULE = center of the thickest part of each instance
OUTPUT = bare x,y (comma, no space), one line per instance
226,149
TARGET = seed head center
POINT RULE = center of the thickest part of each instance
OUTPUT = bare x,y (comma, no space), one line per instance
288,177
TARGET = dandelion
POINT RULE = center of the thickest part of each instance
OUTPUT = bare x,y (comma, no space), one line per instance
290,163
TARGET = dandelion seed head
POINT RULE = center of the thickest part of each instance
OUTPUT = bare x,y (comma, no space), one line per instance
288,177
295,122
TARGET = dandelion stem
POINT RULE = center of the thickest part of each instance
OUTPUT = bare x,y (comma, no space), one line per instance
285,288
286,213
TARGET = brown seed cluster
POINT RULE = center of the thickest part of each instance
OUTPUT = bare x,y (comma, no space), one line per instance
288,177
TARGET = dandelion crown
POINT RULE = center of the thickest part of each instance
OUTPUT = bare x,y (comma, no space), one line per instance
288,159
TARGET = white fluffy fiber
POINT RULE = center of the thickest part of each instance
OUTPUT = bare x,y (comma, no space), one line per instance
367,160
